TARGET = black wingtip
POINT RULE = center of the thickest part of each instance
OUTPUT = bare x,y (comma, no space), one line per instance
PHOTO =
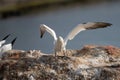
41,33
6,37
13,41
109,24
41,36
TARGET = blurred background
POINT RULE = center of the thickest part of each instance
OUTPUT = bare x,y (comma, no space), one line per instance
22,19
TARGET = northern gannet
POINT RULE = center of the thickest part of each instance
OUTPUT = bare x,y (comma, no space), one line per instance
60,43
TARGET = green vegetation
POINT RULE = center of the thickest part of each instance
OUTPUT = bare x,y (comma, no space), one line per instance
19,7
28,4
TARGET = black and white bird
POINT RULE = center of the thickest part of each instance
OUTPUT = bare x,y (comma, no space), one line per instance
60,43
7,47
4,40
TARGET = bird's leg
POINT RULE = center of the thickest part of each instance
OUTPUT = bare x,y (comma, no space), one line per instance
64,52
55,53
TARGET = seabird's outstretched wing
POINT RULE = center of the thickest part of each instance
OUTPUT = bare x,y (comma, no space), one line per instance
85,26
44,28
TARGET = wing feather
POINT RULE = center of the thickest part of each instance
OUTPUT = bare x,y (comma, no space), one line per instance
95,25
75,31
44,28
85,26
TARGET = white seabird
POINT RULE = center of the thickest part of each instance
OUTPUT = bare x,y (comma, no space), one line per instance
4,40
60,43
7,47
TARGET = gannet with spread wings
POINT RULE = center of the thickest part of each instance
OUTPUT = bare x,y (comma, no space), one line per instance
60,43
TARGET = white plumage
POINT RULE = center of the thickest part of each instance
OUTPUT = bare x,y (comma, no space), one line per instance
7,47
4,40
60,43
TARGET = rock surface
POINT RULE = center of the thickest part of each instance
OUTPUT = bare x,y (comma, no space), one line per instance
92,62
